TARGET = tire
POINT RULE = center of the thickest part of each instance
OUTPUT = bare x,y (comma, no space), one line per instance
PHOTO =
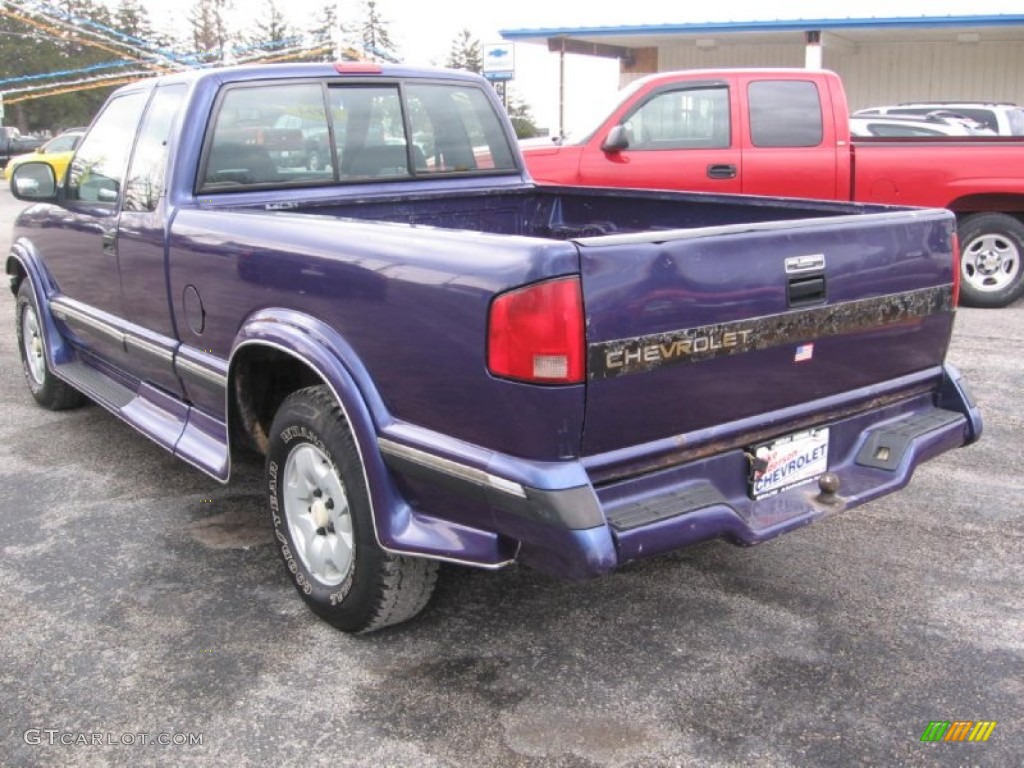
49,391
991,250
323,526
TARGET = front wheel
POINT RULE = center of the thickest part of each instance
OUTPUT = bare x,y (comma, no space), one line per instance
49,391
323,525
991,247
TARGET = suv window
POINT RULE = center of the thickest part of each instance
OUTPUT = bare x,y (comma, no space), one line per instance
97,169
785,113
1016,121
692,118
984,117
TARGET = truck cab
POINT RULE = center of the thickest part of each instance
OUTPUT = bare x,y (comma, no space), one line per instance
760,132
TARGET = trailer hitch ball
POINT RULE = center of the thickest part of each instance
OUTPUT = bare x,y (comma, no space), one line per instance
829,483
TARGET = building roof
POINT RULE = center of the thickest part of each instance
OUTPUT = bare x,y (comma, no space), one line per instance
775,25
1004,27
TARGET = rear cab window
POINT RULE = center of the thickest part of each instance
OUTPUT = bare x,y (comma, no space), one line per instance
314,133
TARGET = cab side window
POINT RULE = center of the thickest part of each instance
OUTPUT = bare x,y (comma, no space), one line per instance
785,113
692,118
97,171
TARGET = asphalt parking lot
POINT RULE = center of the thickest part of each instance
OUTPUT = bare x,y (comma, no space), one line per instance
143,603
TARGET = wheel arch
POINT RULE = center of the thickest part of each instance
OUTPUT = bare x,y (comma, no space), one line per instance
278,352
16,272
1009,203
24,264
313,353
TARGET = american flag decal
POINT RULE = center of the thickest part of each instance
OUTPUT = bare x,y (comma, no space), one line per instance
803,353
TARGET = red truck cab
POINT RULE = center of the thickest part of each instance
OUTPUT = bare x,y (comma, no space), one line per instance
690,133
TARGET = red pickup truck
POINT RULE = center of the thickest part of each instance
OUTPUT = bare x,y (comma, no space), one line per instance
785,132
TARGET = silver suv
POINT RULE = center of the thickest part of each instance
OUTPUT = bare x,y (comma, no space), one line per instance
913,125
1003,119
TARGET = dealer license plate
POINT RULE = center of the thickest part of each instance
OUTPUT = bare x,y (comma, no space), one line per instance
791,460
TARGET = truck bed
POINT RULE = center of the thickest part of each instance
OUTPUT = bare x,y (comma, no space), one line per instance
654,267
565,213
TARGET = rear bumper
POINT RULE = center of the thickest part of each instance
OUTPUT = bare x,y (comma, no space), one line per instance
565,524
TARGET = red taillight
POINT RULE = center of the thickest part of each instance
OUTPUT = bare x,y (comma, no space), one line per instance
535,333
956,270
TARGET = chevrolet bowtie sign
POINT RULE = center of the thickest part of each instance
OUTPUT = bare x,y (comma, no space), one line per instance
499,61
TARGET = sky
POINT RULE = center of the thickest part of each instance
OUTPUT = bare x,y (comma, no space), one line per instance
424,31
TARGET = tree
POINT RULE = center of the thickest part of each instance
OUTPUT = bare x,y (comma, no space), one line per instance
466,53
131,18
209,28
28,50
272,27
521,116
326,29
374,33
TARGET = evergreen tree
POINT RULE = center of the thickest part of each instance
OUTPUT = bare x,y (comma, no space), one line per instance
466,53
374,33
132,18
325,31
27,50
209,28
272,27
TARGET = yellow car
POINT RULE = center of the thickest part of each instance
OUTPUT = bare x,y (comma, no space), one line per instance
58,152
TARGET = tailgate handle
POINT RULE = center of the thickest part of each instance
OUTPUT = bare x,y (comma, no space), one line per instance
806,290
721,171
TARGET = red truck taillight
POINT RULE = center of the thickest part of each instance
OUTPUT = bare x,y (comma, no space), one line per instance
536,333
956,270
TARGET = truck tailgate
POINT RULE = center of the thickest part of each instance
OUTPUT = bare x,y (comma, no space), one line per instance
691,330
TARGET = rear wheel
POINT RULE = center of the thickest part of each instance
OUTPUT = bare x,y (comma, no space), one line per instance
323,525
49,391
991,248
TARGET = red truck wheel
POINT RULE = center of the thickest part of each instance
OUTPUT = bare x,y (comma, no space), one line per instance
323,526
991,248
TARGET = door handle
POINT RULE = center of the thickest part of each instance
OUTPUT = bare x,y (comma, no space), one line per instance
726,171
806,290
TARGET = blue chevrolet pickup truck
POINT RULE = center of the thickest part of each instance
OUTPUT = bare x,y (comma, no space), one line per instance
441,361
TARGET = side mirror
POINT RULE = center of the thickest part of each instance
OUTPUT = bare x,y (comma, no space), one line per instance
34,182
618,139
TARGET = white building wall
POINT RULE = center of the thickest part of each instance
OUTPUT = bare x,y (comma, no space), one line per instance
877,74
882,74
688,56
